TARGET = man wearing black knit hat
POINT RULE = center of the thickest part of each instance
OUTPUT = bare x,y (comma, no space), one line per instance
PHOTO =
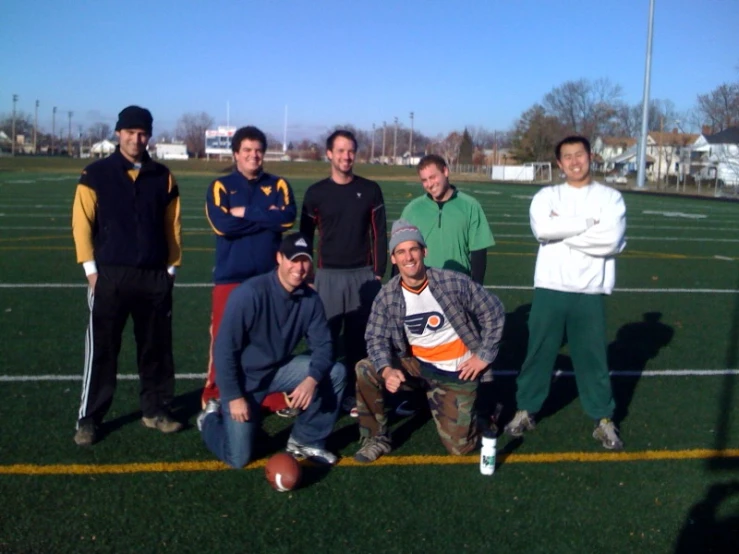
127,235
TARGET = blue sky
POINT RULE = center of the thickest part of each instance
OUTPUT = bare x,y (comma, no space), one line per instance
453,63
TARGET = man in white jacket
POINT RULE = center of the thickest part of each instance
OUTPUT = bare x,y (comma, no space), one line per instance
580,226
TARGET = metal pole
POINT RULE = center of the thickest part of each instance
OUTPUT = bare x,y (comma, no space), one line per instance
53,129
384,130
35,128
284,133
69,135
12,146
395,143
410,144
372,151
642,155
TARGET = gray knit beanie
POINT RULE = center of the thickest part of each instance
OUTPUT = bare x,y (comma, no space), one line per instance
403,231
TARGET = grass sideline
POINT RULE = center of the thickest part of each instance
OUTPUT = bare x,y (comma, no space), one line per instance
675,489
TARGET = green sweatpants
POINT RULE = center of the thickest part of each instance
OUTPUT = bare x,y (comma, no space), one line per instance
582,317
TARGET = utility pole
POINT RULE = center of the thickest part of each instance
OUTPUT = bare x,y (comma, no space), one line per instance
69,134
35,129
12,147
384,130
372,151
79,130
395,143
659,151
642,156
410,145
53,128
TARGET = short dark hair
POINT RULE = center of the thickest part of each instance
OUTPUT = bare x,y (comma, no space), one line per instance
340,133
572,139
431,159
248,133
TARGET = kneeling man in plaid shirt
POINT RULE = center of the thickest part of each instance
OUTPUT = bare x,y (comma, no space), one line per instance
431,329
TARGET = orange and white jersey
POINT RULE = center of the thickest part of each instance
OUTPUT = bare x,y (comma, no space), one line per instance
431,336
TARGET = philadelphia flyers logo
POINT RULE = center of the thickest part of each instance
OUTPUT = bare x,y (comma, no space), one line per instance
418,323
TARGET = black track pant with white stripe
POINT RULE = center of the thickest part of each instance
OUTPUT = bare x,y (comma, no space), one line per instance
145,295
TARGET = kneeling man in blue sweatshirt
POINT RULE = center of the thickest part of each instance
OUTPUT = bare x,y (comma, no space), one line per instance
265,319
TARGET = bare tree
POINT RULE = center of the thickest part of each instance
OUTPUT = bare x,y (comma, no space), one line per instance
719,108
584,107
23,124
191,128
99,131
447,147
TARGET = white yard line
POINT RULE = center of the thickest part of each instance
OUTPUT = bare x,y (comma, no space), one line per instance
500,373
22,286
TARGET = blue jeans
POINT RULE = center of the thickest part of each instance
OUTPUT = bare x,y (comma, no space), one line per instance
232,441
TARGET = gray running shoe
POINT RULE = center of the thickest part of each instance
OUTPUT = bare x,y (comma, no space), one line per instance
523,421
86,434
211,407
607,433
302,452
372,448
162,422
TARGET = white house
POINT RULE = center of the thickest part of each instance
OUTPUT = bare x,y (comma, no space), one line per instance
716,157
102,149
667,149
171,151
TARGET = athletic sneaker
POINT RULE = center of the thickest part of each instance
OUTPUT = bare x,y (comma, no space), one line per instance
288,412
318,455
523,421
405,409
211,407
349,405
86,433
607,433
372,448
162,422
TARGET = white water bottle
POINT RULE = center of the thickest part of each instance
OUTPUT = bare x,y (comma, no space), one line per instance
487,454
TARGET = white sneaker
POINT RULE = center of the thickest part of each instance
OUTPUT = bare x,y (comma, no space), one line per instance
211,407
318,455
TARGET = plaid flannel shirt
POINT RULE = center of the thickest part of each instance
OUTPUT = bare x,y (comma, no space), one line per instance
476,315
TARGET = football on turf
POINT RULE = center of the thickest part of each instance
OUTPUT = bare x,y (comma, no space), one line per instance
282,472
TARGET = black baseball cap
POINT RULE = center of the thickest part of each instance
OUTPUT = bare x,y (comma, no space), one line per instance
294,245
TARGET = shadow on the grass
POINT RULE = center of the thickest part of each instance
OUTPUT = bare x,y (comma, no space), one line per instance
636,343
705,530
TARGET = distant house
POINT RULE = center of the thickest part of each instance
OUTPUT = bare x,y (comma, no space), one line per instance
608,152
716,157
409,159
171,151
102,149
667,150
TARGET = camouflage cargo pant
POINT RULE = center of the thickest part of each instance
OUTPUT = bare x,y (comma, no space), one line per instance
451,403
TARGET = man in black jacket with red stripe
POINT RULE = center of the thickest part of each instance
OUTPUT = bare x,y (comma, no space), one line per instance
127,234
349,213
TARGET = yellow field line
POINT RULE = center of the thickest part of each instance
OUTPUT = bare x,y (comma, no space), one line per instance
544,458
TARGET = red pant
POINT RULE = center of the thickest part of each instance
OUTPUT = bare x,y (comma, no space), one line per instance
272,402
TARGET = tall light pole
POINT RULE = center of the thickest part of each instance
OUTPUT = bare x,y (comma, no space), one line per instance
69,134
79,135
35,128
12,146
395,143
372,151
53,128
642,158
384,130
410,146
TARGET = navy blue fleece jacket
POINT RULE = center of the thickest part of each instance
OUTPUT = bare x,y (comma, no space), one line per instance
261,326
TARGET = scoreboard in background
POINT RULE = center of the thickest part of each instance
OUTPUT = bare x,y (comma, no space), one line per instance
218,141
